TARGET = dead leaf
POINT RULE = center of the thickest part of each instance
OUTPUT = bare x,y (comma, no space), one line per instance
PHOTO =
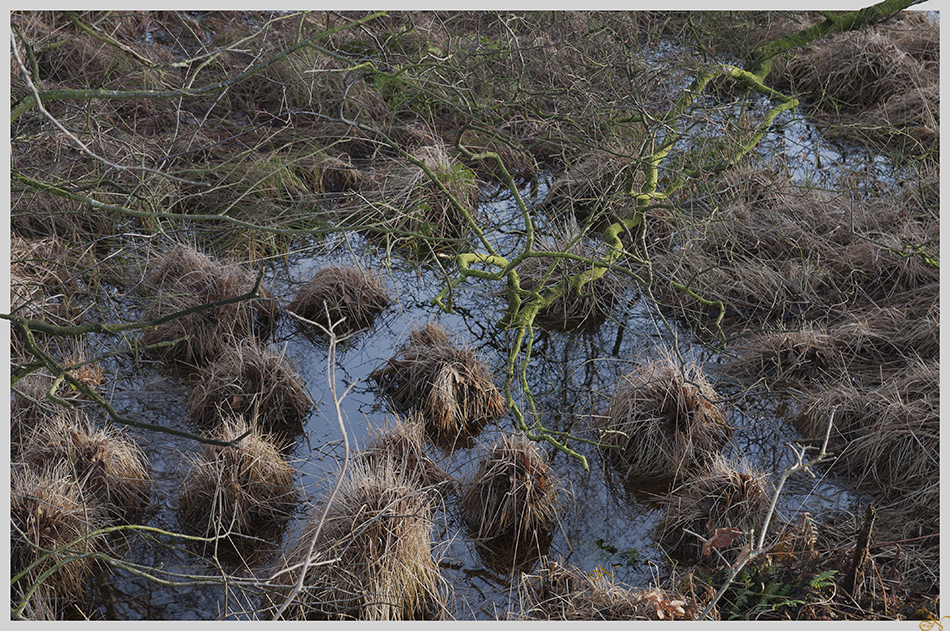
721,538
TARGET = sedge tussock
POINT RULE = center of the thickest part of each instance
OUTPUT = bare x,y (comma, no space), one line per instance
724,495
449,386
374,557
53,526
345,293
248,375
233,492
400,444
106,463
662,421
183,278
513,493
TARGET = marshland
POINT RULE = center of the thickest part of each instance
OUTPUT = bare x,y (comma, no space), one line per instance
474,315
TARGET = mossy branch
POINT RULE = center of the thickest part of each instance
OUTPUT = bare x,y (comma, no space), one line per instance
760,63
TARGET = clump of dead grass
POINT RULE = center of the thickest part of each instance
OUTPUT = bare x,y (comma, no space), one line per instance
53,528
783,356
512,494
105,462
723,496
182,278
406,204
346,293
449,386
246,376
588,186
237,492
887,436
564,592
400,445
374,557
663,421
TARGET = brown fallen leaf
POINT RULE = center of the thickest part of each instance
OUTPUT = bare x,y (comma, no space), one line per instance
721,538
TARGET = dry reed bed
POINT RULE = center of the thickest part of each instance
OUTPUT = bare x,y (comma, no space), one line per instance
182,278
663,421
53,529
374,557
337,293
105,462
513,494
449,386
247,378
724,495
237,493
588,186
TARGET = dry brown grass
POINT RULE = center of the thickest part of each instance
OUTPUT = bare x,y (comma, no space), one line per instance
237,492
893,445
406,203
724,495
450,387
588,186
879,85
512,493
182,278
564,592
400,445
52,528
663,421
246,375
105,462
374,558
346,293
785,356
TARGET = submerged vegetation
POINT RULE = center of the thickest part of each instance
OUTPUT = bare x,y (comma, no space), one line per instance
194,192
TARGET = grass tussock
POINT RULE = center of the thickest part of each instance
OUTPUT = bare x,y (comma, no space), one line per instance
183,278
564,592
346,293
237,492
786,356
512,493
662,421
449,386
106,463
588,186
408,204
245,377
53,528
400,445
886,436
374,557
724,495
878,85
